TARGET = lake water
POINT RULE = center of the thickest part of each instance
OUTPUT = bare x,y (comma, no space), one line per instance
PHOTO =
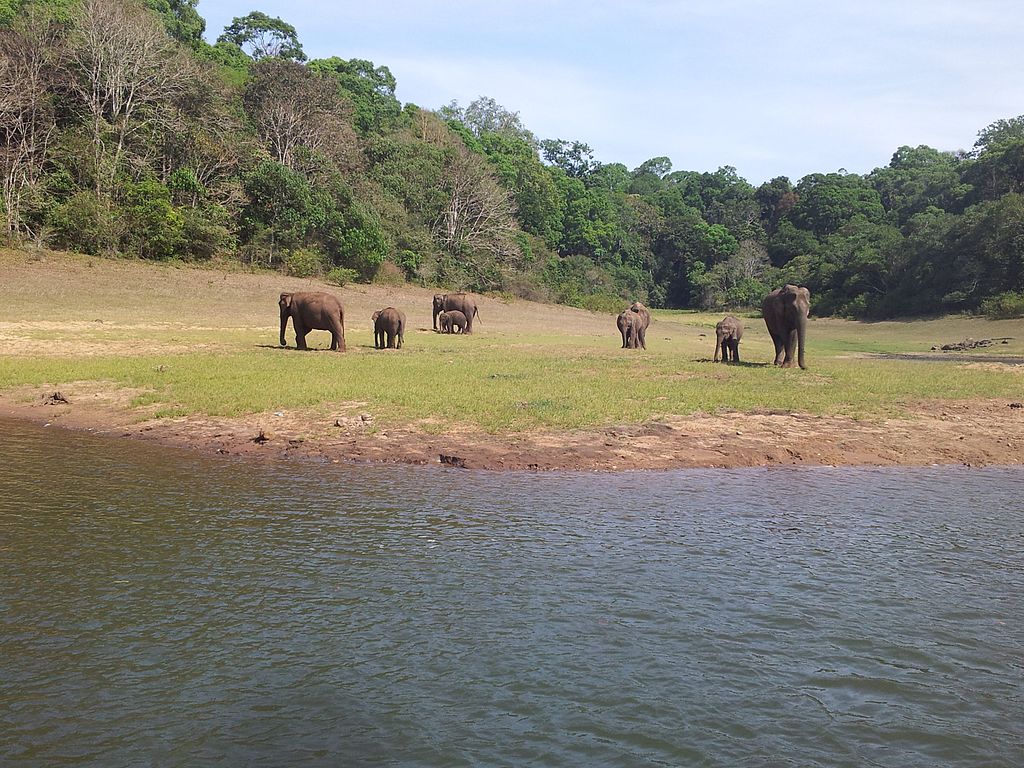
166,609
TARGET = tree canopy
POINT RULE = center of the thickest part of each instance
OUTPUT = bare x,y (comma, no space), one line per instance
123,131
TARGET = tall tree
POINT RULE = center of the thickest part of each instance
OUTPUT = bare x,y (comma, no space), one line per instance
573,157
127,70
485,115
28,50
371,89
263,36
478,219
292,107
182,20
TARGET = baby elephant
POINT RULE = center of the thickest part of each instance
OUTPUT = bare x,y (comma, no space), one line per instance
728,333
452,321
388,323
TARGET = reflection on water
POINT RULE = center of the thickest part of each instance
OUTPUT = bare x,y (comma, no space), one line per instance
164,609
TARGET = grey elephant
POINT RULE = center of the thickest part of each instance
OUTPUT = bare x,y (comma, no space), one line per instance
728,333
452,321
642,322
388,328
627,323
313,310
461,302
785,313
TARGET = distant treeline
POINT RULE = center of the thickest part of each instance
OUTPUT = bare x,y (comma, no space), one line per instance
123,131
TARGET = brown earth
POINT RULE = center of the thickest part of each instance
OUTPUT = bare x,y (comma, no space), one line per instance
973,433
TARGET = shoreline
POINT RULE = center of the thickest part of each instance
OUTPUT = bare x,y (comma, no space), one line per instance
971,433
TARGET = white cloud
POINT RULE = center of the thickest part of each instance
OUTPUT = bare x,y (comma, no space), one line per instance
771,88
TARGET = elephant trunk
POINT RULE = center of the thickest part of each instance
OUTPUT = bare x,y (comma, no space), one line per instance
801,330
284,324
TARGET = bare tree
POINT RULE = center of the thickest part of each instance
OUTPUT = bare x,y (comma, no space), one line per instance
27,124
128,70
479,219
293,107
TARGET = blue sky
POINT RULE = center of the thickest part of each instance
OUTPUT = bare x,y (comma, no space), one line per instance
773,88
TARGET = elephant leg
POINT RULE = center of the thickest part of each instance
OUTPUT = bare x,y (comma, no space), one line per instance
300,334
788,362
780,345
642,337
735,350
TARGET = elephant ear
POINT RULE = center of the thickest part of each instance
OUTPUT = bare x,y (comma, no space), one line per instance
285,300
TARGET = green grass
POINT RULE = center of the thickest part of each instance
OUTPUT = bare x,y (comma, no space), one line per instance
194,342
501,384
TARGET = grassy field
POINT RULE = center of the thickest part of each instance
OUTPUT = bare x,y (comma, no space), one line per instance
184,341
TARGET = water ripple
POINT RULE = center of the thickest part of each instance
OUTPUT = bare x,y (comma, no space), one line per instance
159,609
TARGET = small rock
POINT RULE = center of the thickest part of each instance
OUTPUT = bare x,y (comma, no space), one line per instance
1017,405
452,461
261,438
365,417
337,422
55,399
279,413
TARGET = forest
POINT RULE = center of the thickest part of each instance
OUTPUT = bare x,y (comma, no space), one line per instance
125,132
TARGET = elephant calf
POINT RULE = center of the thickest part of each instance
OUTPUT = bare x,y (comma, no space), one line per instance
728,333
452,321
388,328
459,302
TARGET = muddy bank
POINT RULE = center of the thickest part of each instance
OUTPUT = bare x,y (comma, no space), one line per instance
974,433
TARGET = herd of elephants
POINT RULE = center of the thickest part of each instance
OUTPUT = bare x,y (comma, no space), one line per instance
785,313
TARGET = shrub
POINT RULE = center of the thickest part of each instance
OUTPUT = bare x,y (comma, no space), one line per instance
153,226
205,233
1004,306
303,262
602,302
82,224
408,260
341,276
389,274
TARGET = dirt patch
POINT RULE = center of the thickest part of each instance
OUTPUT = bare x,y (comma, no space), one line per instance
973,433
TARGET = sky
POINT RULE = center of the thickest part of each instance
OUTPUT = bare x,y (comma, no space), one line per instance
781,88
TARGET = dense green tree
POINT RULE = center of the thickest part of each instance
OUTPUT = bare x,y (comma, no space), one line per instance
540,207
827,201
573,157
371,90
485,115
263,36
121,130
998,160
776,199
182,20
917,178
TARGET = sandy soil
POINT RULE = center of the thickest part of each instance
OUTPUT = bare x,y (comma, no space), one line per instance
973,433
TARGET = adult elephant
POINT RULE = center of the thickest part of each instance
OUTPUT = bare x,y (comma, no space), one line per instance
452,321
728,333
642,322
313,311
461,302
785,313
627,322
388,328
